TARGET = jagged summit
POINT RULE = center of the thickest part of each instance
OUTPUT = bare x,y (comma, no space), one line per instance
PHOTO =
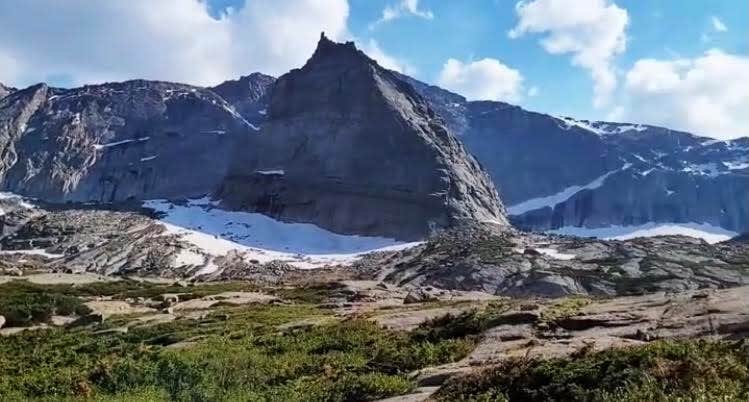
328,50
351,147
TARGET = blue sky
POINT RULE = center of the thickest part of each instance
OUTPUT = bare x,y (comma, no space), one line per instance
477,29
660,61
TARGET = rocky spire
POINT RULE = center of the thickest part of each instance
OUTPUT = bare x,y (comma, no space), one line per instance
361,152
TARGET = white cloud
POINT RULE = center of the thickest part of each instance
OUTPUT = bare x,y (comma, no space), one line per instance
173,40
373,50
533,91
402,9
690,94
592,31
486,79
718,25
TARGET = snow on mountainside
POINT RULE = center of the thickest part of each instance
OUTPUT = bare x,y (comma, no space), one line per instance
217,232
554,199
557,172
709,233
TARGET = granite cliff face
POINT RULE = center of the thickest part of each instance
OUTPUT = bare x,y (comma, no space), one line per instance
351,147
114,142
556,172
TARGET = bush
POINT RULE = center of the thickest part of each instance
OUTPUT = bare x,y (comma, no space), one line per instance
665,370
23,309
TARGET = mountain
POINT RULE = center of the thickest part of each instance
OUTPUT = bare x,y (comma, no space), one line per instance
115,142
351,147
562,173
5,91
248,95
355,148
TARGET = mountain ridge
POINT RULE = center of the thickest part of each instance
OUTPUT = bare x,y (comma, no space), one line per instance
573,171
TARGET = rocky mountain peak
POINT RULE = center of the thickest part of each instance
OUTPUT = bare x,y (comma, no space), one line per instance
329,51
351,147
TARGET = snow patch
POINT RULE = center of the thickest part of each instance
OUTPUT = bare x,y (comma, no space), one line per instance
217,232
277,172
555,254
709,233
20,201
737,164
116,143
703,169
564,195
148,158
36,251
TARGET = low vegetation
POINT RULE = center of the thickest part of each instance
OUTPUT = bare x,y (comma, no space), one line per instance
661,371
234,353
23,304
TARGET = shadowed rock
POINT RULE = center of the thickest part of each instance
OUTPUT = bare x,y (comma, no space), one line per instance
351,147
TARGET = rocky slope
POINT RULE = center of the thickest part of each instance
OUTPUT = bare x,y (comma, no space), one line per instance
186,244
249,95
114,142
352,148
5,90
555,172
552,266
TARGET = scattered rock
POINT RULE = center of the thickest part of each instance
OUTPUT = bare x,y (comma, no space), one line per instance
419,296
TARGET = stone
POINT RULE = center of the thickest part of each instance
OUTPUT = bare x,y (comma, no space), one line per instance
419,296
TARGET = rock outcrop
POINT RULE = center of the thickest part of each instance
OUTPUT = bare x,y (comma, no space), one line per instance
351,147
554,266
115,142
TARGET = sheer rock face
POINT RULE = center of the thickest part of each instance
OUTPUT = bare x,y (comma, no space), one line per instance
113,142
351,147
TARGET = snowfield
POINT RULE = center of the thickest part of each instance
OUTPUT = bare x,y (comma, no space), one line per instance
709,233
216,232
564,195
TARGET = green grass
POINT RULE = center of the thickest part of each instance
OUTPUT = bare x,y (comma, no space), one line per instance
662,371
233,354
564,308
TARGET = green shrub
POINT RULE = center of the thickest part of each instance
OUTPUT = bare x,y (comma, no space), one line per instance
240,357
665,370
23,309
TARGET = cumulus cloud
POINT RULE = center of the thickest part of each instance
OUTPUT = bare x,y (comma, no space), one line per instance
690,94
591,31
403,9
177,40
486,79
718,25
